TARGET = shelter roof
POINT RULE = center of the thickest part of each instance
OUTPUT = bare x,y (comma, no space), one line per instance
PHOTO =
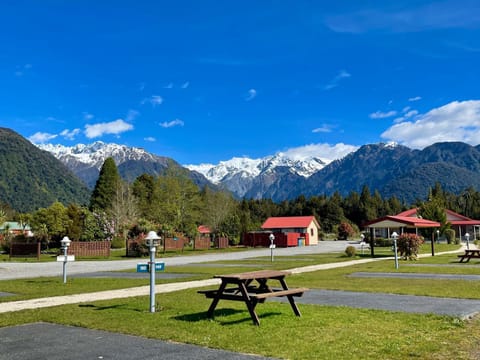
401,221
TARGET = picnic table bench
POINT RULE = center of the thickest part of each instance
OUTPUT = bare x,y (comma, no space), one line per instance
252,288
469,254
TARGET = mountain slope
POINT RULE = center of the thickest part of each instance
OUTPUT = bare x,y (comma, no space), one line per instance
31,178
86,160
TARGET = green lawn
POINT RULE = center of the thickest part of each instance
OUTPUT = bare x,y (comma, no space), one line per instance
325,332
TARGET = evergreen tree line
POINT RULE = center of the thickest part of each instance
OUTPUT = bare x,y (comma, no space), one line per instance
173,204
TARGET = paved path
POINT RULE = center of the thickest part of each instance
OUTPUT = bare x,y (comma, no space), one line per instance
19,270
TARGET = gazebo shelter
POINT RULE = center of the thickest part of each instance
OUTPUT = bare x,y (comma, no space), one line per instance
399,224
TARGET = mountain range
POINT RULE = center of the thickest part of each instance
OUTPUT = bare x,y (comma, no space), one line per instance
35,176
390,168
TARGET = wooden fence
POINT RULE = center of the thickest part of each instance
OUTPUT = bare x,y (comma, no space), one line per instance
89,248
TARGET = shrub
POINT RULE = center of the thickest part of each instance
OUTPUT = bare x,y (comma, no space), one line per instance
450,235
345,230
351,251
117,243
408,245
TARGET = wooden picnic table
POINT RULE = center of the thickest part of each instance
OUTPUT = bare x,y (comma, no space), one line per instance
252,288
469,254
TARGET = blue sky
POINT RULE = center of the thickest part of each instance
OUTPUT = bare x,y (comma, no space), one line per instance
204,81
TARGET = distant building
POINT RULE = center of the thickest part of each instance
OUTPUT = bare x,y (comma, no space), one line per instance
14,228
307,226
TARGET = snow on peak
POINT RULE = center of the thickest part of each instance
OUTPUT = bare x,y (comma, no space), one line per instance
250,168
94,154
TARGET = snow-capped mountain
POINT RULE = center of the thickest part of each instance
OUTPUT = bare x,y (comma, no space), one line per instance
245,176
86,161
246,167
95,154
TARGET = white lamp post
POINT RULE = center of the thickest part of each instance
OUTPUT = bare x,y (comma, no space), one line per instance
152,242
438,236
394,236
65,245
362,242
467,237
272,245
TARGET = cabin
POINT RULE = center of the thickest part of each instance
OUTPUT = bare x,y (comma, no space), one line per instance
306,228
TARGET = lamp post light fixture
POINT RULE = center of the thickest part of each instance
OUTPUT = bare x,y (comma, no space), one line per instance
272,245
65,245
362,242
152,241
438,236
395,236
467,237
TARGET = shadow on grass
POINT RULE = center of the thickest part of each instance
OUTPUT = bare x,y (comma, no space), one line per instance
220,316
110,307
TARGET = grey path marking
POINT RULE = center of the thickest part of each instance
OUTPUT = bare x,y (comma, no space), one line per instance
2,294
416,276
58,342
462,308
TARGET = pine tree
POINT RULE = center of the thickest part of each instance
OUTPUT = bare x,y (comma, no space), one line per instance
105,187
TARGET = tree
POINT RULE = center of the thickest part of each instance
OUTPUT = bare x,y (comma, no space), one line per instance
105,187
124,209
345,230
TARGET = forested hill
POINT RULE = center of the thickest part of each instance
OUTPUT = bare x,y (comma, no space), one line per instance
31,178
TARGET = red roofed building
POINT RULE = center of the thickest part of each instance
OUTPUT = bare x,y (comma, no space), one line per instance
306,225
461,224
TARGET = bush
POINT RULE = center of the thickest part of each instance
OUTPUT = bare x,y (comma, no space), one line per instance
345,230
408,245
117,243
351,251
450,236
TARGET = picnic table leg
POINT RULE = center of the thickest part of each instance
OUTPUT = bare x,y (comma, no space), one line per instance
290,298
216,299
251,303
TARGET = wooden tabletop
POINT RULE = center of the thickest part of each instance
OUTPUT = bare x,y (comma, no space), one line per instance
260,274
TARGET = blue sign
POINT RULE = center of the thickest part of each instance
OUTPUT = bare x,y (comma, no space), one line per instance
142,268
160,266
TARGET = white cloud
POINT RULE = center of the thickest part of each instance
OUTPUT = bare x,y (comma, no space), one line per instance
185,85
252,94
150,139
416,98
433,15
456,121
154,100
169,124
41,137
131,115
382,115
70,134
342,74
114,127
168,86
325,152
325,128
87,116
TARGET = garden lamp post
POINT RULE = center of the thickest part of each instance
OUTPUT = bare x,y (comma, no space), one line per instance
394,236
362,242
152,243
467,237
272,245
65,245
438,236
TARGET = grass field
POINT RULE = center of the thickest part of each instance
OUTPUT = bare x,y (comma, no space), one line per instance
323,332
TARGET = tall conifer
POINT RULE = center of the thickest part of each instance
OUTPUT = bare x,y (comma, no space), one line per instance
105,187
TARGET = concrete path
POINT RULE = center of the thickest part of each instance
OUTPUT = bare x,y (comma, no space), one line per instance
22,270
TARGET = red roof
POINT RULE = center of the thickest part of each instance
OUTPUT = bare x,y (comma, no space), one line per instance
396,220
289,222
452,217
203,229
